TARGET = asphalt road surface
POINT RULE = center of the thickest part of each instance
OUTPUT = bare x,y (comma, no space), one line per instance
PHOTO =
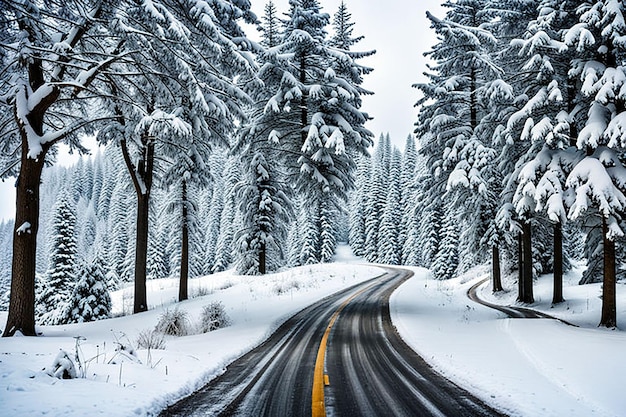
338,357
514,312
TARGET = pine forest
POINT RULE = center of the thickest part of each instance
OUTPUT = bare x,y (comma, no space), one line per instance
217,151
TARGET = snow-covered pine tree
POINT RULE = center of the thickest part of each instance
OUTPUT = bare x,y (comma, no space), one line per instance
454,116
309,235
412,248
213,213
158,262
390,251
87,225
343,26
225,250
118,221
328,128
446,259
90,299
328,225
407,189
598,180
546,118
266,209
358,201
270,26
61,275
375,193
431,225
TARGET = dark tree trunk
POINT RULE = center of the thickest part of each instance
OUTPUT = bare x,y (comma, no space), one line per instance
520,267
528,264
609,307
557,292
495,269
142,182
141,253
183,288
262,259
22,305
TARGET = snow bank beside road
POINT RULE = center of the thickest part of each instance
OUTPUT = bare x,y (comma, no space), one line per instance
523,367
115,386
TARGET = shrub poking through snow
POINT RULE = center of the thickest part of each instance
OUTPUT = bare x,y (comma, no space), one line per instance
213,317
151,339
124,350
173,323
62,367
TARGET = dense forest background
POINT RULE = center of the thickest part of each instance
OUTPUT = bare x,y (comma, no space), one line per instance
517,159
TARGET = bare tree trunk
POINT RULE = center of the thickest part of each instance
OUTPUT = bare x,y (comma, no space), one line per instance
141,253
263,259
142,182
183,288
495,269
609,307
557,292
528,264
22,305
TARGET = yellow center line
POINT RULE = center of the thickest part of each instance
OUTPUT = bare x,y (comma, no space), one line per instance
319,379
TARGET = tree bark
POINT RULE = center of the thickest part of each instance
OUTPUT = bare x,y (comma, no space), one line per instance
609,307
495,269
263,259
183,288
557,292
21,316
141,253
528,264
142,182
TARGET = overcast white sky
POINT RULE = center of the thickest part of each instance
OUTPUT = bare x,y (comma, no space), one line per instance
399,32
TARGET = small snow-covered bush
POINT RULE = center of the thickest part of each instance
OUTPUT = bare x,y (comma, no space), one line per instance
151,339
173,323
63,367
200,291
285,287
213,317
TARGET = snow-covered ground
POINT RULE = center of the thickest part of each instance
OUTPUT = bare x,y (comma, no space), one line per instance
524,367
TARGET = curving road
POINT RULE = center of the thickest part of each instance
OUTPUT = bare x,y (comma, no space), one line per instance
514,312
341,357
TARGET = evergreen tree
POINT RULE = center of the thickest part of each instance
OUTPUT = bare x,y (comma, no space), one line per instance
358,207
597,181
328,128
407,190
446,259
270,26
327,231
225,242
266,211
343,27
389,234
61,275
90,299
